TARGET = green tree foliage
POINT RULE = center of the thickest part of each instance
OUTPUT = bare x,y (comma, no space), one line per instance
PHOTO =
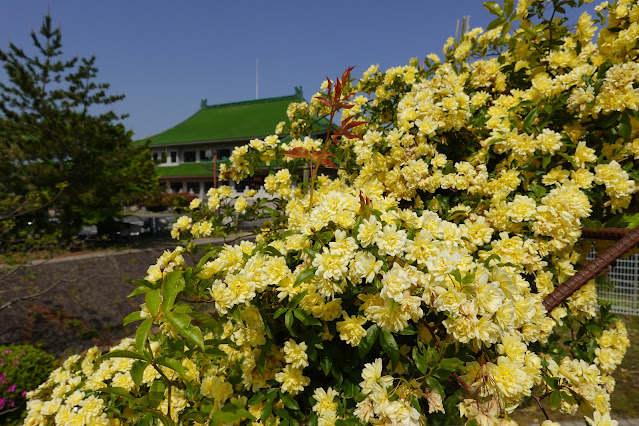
58,132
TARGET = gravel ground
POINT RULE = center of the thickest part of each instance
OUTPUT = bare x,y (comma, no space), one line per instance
71,303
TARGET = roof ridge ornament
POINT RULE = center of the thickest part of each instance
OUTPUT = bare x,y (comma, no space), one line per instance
203,103
298,92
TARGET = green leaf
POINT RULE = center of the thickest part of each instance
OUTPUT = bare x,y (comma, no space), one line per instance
594,329
288,320
538,191
555,400
230,413
530,119
435,386
182,324
350,389
449,364
172,284
495,24
408,331
205,258
282,413
508,7
152,300
121,392
305,275
279,312
569,158
432,356
420,361
625,127
268,408
133,317
142,334
297,299
183,308
305,318
214,352
156,392
326,363
272,251
389,345
494,8
139,290
171,363
257,397
313,419
368,341
288,400
206,320
122,354
137,371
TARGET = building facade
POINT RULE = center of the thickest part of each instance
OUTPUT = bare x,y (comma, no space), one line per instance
188,155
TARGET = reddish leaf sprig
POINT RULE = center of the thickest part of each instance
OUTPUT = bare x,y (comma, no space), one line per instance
335,99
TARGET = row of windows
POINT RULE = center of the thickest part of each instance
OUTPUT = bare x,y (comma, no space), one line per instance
191,156
254,182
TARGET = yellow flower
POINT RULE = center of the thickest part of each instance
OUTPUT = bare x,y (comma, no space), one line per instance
350,330
195,203
292,380
295,354
240,205
324,398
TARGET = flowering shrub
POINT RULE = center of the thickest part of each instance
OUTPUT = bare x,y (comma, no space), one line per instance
408,287
163,201
22,369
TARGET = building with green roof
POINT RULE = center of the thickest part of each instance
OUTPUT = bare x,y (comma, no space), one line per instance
188,153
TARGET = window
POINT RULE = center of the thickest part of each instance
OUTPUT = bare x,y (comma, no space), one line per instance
207,186
189,156
193,187
206,155
176,186
173,156
223,154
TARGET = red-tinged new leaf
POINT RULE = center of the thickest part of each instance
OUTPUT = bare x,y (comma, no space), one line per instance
350,135
353,124
347,74
327,163
344,105
346,120
299,152
338,90
329,87
323,153
324,101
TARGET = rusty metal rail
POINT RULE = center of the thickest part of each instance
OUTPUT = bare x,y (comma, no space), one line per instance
626,239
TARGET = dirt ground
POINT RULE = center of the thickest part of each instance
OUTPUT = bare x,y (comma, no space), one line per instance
70,304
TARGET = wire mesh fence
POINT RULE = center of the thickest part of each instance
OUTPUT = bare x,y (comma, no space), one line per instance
621,285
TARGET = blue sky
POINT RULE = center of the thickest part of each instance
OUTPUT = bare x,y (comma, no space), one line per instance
166,56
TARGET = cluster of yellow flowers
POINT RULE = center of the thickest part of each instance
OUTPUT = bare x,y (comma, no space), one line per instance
411,283
165,264
70,391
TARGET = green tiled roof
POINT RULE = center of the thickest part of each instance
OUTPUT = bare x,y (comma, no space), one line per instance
188,169
229,122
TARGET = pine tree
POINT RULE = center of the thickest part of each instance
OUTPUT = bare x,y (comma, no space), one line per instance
56,124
